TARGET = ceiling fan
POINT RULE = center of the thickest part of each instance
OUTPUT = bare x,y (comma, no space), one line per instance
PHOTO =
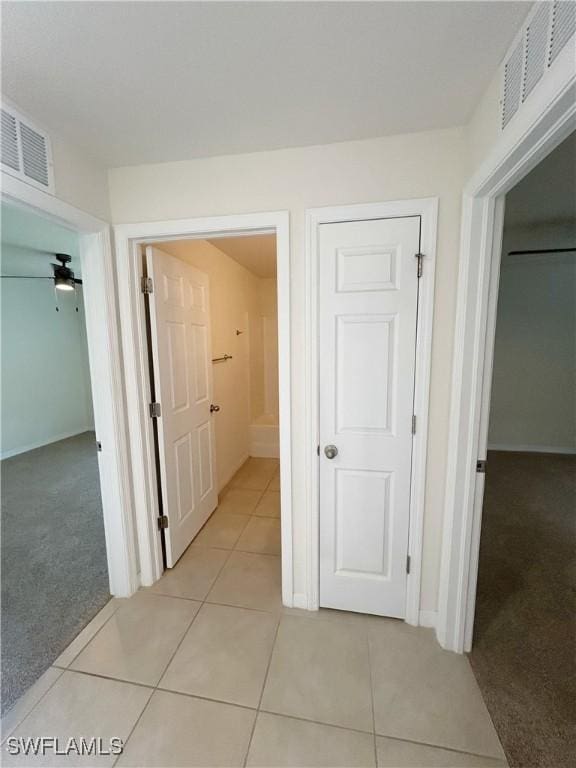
62,275
64,278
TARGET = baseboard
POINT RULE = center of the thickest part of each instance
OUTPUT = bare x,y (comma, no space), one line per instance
300,600
265,451
531,448
42,443
222,485
428,619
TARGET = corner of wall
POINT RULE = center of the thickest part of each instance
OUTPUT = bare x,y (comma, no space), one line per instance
80,179
483,128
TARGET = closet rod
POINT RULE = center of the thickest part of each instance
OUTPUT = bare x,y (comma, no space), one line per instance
541,250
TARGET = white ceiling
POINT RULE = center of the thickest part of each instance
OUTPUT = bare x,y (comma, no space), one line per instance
140,82
257,253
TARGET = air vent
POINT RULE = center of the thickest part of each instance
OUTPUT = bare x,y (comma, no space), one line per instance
563,26
34,155
25,150
10,154
512,83
548,29
536,46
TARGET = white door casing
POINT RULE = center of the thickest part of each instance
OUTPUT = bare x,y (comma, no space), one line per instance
180,330
368,301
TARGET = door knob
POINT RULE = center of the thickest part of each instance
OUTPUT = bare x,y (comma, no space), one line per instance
330,451
214,408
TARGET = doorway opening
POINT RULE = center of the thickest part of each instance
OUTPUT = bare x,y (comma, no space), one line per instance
212,326
524,617
54,560
246,440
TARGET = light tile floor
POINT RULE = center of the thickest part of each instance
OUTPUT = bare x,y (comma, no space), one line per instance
207,668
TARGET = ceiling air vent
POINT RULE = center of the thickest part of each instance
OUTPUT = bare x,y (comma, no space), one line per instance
26,151
10,155
512,83
563,26
548,29
536,48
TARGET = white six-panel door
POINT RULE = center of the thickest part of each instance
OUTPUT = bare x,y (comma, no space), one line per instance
180,330
368,312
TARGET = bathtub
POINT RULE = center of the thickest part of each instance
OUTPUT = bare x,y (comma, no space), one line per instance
264,437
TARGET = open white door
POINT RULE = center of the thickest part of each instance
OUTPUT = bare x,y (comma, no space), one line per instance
368,311
180,330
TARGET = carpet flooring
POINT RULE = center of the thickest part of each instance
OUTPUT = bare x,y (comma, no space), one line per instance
524,640
54,570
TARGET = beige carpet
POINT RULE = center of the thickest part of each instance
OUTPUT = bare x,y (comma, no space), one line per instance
525,633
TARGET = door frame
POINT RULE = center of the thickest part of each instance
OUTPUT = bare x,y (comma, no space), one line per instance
427,210
128,239
103,338
540,125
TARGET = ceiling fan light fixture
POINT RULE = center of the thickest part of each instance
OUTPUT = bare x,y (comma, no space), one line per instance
63,275
64,283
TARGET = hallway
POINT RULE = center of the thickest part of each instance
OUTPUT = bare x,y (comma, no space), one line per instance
208,669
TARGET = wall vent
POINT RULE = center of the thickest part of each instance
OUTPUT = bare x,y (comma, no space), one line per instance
550,27
10,154
25,150
512,83
563,26
536,47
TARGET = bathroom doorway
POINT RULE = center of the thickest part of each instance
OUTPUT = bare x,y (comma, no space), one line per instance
212,331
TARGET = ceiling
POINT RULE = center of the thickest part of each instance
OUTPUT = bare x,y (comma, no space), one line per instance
257,253
29,243
142,82
547,195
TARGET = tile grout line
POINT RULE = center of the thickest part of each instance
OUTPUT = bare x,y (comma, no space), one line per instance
199,697
125,742
100,676
346,728
202,603
441,746
114,612
262,691
372,696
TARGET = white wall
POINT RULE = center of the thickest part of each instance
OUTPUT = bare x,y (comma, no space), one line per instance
390,168
235,303
533,403
46,392
485,126
264,353
79,178
268,309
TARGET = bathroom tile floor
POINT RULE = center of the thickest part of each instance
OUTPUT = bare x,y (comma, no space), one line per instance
207,668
